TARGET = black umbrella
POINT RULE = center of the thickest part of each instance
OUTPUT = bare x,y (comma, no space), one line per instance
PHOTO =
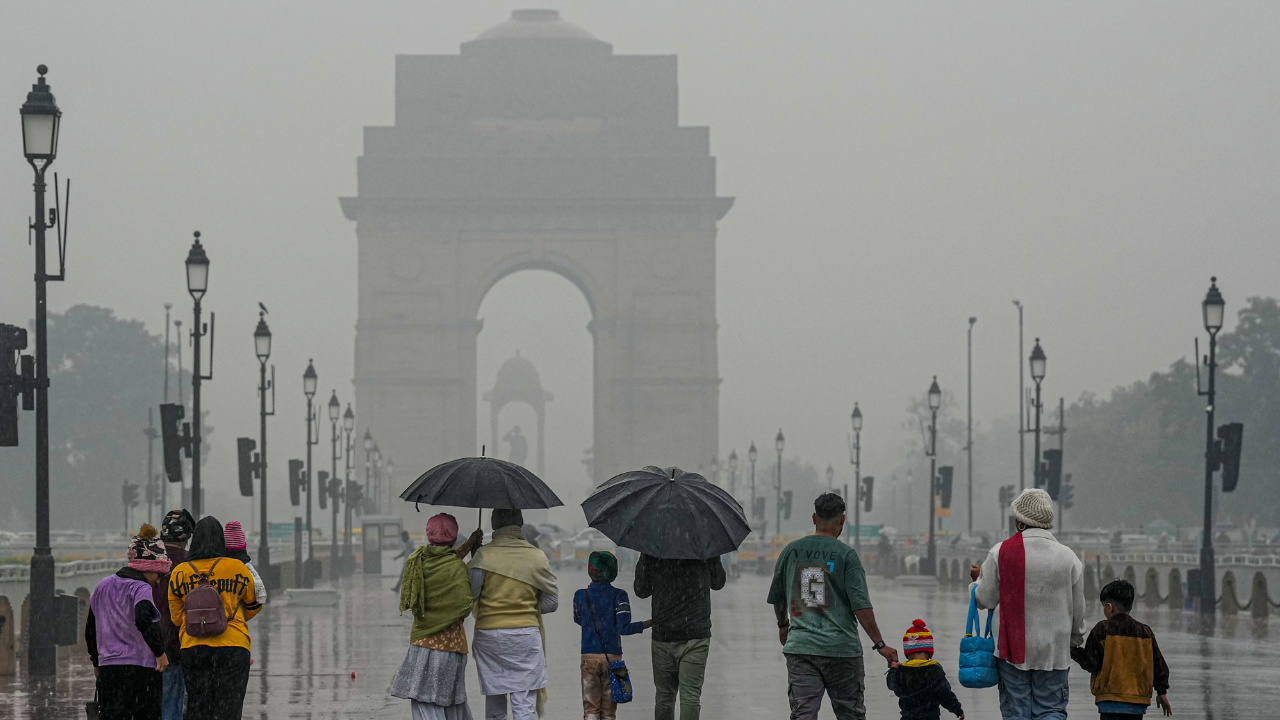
481,483
668,514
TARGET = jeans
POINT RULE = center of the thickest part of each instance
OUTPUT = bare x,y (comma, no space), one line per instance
681,666
174,691
128,692
1032,694
524,706
808,676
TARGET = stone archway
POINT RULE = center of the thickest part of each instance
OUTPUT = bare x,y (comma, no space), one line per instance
1151,593
1259,603
538,148
1175,590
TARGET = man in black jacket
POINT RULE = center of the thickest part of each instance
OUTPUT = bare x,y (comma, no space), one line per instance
681,591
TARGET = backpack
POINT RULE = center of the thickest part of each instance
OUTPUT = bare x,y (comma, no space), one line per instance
206,616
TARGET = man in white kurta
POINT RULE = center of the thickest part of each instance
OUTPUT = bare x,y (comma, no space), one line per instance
513,587
1038,585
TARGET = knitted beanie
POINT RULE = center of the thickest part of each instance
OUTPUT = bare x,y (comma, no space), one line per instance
177,526
917,638
1034,508
146,552
233,534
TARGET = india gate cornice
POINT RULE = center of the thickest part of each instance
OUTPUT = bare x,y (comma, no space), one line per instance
569,214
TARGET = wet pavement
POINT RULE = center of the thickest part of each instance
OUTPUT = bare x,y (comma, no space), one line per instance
304,659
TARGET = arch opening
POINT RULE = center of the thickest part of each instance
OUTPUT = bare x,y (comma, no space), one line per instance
542,315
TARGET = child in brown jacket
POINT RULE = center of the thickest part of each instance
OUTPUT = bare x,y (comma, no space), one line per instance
1123,659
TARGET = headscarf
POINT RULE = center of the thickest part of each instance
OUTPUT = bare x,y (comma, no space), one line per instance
146,553
177,526
207,541
442,530
602,566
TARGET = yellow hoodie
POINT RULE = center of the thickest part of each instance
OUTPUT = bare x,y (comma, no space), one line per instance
234,582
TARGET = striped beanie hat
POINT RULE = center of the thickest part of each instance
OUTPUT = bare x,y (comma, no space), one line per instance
233,535
917,638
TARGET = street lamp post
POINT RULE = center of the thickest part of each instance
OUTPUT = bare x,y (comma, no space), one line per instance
40,121
1038,362
778,443
368,460
309,380
968,445
388,482
335,483
935,402
348,425
262,348
733,474
197,285
1214,308
1022,408
751,457
855,456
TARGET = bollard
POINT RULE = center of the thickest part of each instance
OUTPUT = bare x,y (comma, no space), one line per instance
8,660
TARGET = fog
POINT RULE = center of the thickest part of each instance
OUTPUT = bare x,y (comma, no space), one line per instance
897,168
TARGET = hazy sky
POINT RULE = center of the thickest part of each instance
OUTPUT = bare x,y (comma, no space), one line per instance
898,167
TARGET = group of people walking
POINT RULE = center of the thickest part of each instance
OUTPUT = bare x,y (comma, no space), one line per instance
168,635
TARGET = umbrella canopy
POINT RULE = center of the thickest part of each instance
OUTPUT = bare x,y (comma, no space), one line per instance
667,513
481,483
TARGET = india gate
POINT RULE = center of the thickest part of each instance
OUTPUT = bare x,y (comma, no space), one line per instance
537,147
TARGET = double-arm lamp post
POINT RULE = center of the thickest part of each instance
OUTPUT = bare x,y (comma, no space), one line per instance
733,474
348,495
856,457
1038,362
40,120
778,444
335,483
752,454
930,566
262,348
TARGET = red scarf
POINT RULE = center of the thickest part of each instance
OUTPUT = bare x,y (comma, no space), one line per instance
1012,644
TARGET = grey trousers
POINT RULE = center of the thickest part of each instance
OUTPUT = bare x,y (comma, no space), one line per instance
1032,694
841,678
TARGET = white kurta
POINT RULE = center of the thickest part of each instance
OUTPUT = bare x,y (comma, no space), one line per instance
509,660
1054,599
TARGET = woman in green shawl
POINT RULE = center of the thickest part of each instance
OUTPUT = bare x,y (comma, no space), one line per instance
436,590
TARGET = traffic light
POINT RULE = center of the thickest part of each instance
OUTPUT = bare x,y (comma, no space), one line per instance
1230,437
868,483
297,481
175,436
248,464
1051,472
786,504
945,474
355,494
1066,498
322,482
17,377
335,490
129,494
757,511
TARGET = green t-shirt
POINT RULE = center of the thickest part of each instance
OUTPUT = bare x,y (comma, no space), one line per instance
822,582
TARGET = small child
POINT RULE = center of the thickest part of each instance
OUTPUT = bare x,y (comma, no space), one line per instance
604,612
1122,658
237,548
920,683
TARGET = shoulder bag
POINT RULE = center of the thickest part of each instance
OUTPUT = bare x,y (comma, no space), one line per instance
977,654
619,678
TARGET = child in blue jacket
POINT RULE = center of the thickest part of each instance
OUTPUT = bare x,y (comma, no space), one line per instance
604,612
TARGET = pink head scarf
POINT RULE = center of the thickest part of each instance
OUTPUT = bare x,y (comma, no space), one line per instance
442,530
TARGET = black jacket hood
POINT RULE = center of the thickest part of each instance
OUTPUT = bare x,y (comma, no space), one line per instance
207,541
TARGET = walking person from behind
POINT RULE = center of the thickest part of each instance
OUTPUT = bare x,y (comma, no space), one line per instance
238,548
175,531
123,635
215,665
1038,585
513,586
436,590
681,592
406,549
819,597
1123,660
920,683
604,612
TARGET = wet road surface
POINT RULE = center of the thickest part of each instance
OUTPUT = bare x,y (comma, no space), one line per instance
304,657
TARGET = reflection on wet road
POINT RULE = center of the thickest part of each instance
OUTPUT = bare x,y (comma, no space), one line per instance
304,659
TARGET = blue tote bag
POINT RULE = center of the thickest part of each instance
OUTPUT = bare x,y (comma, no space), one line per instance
977,654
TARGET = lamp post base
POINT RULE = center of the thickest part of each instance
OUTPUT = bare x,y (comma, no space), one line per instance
42,652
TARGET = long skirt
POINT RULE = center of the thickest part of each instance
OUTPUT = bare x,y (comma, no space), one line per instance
435,683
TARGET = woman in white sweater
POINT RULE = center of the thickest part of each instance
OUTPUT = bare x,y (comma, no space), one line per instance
1038,585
